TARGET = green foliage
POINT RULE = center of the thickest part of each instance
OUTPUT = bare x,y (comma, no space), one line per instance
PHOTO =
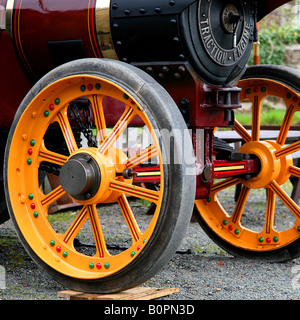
273,42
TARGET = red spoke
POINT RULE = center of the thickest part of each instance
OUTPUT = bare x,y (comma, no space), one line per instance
270,211
256,112
53,157
292,148
217,187
97,104
240,205
286,123
241,131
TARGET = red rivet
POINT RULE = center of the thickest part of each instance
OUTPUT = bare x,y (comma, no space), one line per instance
139,247
90,87
268,240
255,89
32,205
58,249
98,265
30,151
51,107
132,102
230,228
295,99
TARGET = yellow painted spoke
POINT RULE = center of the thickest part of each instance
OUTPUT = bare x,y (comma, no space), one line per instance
256,112
97,104
97,231
67,131
242,132
135,191
240,205
52,196
143,156
285,198
49,156
76,225
270,211
217,187
120,126
129,218
294,171
286,123
292,148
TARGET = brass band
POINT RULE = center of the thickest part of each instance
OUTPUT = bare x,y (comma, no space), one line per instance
103,29
9,17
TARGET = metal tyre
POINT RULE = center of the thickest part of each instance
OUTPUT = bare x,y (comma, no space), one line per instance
94,177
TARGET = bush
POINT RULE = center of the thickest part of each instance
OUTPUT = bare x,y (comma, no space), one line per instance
273,42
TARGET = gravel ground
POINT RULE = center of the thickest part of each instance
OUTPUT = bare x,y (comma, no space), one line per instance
207,273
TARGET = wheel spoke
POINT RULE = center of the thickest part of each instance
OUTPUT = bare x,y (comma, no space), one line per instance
143,193
76,225
270,211
129,218
217,187
256,112
120,126
284,197
67,131
142,156
240,205
285,151
286,123
97,231
49,156
242,131
294,171
97,104
52,196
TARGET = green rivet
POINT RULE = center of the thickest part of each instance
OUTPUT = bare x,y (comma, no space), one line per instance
132,253
225,222
97,86
298,228
261,239
83,88
125,96
46,113
30,196
91,265
249,90
32,142
263,89
29,161
144,241
275,239
35,214
106,265
237,231
57,101
52,243
65,254
289,95
208,199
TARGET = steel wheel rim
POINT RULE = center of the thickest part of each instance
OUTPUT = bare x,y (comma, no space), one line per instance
30,205
227,225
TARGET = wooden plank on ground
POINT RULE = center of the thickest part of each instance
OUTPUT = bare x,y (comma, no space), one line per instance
137,293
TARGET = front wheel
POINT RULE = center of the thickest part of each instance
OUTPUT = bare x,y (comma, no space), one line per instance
109,244
261,220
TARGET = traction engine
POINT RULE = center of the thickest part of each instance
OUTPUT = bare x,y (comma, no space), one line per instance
127,109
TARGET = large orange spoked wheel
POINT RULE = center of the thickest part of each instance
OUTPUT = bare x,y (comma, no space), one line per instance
261,220
101,247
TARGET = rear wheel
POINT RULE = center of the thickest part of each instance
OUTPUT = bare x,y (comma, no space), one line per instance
108,244
263,222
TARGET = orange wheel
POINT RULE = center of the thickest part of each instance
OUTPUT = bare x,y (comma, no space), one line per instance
108,244
261,220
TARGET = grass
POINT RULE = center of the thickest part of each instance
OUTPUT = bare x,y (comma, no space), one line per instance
268,117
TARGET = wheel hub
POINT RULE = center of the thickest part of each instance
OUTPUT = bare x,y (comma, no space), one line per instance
272,168
80,176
